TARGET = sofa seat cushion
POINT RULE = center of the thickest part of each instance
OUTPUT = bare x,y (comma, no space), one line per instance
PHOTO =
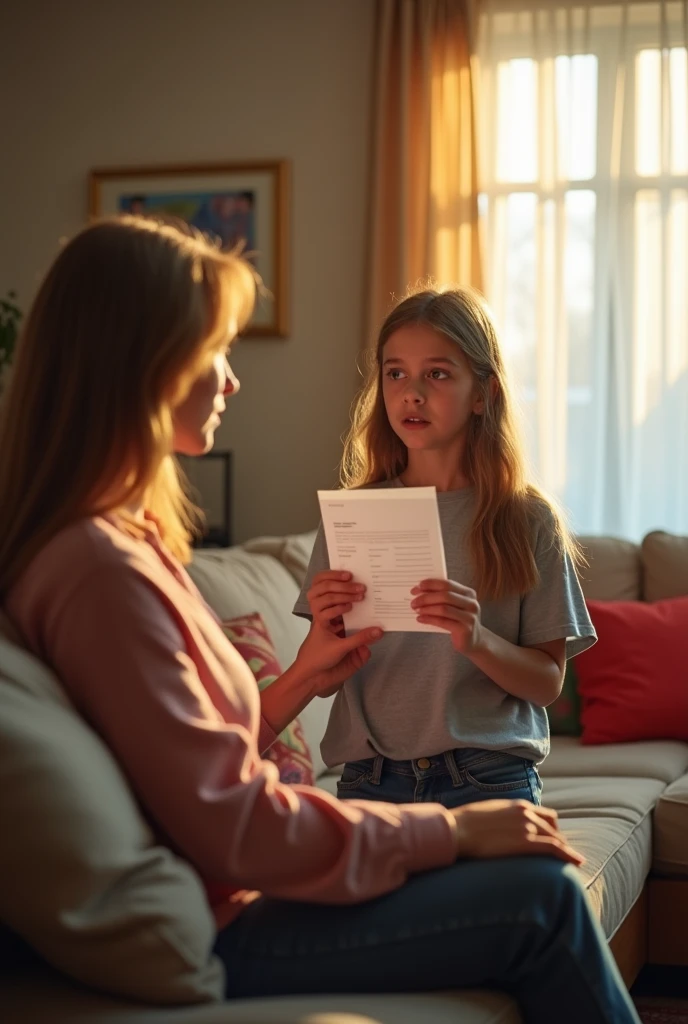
610,821
626,799
618,858
671,830
664,760
42,998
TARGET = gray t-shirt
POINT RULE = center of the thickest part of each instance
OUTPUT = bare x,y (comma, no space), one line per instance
417,696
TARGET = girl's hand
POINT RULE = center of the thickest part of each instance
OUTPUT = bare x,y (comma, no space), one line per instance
510,828
331,594
450,606
327,660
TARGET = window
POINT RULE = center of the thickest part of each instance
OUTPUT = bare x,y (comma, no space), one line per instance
583,134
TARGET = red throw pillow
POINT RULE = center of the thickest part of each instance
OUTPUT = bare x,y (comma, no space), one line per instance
290,752
634,681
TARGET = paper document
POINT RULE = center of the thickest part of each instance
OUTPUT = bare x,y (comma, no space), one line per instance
390,540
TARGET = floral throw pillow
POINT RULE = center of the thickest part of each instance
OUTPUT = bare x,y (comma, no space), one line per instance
289,752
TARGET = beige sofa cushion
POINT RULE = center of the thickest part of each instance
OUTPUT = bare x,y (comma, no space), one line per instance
664,760
671,830
618,857
81,878
47,1000
614,570
626,799
610,821
665,566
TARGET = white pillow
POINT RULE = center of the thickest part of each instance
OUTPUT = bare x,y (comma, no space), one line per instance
81,878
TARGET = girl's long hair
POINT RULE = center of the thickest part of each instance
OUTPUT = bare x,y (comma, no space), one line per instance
507,507
130,313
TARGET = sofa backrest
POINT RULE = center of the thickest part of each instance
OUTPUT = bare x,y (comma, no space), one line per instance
264,575
235,581
83,880
665,565
614,570
620,570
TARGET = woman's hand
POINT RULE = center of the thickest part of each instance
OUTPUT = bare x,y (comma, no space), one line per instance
327,659
332,593
509,828
453,607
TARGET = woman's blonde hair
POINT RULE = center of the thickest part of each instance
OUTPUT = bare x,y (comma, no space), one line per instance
506,505
128,316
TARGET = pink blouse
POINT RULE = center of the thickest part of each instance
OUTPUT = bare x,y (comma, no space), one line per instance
145,661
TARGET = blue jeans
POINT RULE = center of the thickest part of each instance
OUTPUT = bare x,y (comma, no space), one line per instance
521,925
454,778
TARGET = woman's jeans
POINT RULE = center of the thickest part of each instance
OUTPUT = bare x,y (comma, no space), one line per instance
522,925
454,778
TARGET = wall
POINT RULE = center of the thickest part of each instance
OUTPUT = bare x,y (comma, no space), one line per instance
117,83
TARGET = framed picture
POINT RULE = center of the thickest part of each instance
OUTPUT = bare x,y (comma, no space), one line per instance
210,476
236,203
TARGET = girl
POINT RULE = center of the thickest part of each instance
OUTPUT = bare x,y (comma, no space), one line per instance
122,362
458,716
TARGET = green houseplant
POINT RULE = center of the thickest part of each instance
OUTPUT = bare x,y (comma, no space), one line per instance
10,318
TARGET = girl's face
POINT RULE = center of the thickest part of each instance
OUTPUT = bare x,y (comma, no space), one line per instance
198,416
428,388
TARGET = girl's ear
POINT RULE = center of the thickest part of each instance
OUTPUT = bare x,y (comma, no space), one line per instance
492,388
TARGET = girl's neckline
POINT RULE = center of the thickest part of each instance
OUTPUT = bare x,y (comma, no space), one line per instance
459,493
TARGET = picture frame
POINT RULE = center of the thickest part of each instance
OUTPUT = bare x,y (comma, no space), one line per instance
235,203
210,479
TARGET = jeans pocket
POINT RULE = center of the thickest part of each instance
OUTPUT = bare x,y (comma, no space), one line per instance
535,784
500,774
354,774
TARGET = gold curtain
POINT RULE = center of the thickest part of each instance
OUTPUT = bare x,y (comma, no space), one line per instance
424,204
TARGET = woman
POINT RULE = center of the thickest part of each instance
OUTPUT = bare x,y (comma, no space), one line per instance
123,361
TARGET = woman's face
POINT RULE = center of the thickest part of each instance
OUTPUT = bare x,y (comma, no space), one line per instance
198,416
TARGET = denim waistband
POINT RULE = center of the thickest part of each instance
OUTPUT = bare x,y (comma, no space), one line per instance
450,761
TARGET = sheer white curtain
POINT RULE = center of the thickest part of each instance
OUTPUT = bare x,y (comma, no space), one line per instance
583,139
